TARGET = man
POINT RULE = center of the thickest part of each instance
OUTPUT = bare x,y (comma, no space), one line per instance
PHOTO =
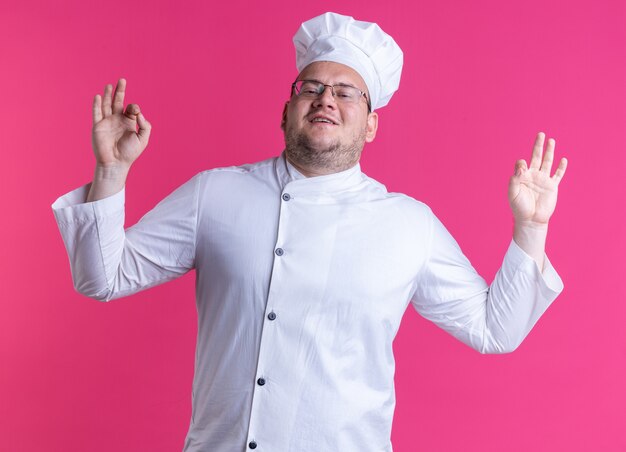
304,265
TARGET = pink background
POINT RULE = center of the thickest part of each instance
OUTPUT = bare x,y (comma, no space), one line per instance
480,79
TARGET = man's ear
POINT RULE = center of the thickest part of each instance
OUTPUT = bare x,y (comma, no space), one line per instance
283,121
372,127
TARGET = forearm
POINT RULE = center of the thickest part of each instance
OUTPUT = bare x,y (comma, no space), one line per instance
531,238
110,262
107,181
490,319
93,234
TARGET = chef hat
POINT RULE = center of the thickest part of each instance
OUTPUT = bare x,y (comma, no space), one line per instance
363,46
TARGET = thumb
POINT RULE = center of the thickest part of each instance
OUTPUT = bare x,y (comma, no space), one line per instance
131,112
144,128
520,167
514,182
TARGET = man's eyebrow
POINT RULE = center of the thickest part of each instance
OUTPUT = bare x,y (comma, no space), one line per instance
347,84
334,84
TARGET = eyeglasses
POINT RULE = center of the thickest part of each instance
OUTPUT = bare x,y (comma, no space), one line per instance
345,94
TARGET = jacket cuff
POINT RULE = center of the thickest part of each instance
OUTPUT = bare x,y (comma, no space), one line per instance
516,259
71,207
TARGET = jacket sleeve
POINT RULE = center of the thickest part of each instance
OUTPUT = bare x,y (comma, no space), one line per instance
490,319
109,262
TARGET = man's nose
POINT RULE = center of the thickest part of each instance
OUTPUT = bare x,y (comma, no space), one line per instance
326,97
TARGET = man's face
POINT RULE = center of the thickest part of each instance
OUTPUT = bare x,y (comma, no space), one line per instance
323,133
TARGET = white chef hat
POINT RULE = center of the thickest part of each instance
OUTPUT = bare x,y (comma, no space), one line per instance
363,46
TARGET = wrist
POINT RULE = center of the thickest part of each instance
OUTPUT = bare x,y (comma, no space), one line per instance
531,237
529,225
111,172
107,181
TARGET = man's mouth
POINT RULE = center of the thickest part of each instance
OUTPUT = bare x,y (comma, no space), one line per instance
323,120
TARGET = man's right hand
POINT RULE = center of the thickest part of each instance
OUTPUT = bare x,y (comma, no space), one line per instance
118,137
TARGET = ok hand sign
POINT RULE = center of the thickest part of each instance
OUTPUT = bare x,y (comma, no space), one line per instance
118,136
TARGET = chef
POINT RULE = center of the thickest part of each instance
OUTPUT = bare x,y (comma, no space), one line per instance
304,265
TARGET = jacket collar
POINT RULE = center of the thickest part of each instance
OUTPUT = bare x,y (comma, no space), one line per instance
293,181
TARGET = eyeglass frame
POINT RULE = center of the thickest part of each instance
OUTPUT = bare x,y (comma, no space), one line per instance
332,90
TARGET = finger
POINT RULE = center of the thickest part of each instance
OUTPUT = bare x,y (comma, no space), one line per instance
97,108
144,128
106,101
535,160
548,157
118,100
560,171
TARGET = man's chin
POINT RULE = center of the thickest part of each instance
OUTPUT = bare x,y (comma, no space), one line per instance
313,145
320,145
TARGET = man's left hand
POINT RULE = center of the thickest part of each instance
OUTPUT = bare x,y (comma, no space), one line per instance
532,191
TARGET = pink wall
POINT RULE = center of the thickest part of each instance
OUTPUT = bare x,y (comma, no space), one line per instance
480,79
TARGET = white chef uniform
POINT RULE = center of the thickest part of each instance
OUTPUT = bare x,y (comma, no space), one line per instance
301,286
